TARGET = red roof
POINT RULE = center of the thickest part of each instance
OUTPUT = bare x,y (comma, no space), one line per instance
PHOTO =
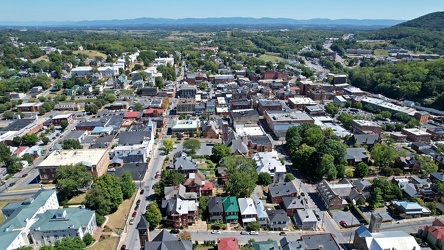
437,232
20,150
207,186
131,114
227,244
152,110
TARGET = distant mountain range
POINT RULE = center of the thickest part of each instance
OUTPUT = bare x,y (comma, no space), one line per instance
222,21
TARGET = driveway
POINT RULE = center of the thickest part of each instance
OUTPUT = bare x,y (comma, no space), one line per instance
347,216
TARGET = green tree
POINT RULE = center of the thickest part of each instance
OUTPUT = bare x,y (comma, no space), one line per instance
218,224
440,148
69,243
64,124
334,148
138,106
192,145
45,140
105,195
427,164
168,145
382,154
127,185
71,178
111,98
153,215
71,144
293,139
346,120
304,159
28,157
168,178
375,199
313,136
327,167
88,239
17,141
219,151
47,247
331,109
289,177
8,115
253,226
184,235
390,191
361,170
92,108
264,179
30,140
241,176
158,81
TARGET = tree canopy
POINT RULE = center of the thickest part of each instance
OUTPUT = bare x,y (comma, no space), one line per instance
241,175
71,144
71,178
153,215
192,145
105,195
127,185
219,151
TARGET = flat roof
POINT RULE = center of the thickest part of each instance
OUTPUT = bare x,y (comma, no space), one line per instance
289,116
366,123
185,124
66,157
416,131
303,100
62,116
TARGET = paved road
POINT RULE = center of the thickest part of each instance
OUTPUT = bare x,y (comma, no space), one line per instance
22,194
131,237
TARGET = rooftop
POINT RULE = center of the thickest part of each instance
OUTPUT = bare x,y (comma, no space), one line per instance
67,157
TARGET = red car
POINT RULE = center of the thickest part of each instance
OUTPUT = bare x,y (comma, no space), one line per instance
134,214
343,223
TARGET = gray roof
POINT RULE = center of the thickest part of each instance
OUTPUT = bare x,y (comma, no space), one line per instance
166,241
281,189
215,204
115,121
366,139
19,124
305,216
438,175
238,146
286,244
247,113
315,241
356,154
293,202
277,215
362,183
184,163
75,134
260,139
133,137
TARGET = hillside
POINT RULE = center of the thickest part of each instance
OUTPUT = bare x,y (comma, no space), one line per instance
423,34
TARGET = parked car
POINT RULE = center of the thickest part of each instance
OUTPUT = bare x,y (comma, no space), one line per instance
131,221
11,184
215,232
142,191
123,247
138,202
317,216
424,244
134,214
302,194
343,223
283,233
244,233
254,233
174,231
24,175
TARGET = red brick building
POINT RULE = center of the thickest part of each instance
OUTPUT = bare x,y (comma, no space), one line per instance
56,120
131,115
152,112
273,74
422,116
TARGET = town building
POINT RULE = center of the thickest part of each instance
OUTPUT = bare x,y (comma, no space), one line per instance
261,213
366,240
187,91
56,120
268,162
247,210
95,160
167,241
278,220
365,127
277,191
186,106
29,107
264,105
181,126
337,196
305,219
416,135
231,209
215,208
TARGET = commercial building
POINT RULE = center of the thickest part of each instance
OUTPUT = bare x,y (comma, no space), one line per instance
337,196
180,126
96,161
187,91
56,120
365,127
264,105
186,106
416,135
300,103
280,121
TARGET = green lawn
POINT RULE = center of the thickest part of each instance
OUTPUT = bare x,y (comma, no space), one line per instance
380,52
271,58
126,92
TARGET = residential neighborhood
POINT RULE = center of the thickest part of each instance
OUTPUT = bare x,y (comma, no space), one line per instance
180,147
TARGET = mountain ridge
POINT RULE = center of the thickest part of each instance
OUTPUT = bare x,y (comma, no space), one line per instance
217,21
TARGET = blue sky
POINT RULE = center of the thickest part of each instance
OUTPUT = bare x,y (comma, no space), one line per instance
76,10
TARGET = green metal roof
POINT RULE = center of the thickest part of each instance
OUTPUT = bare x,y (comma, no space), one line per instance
62,219
230,204
6,238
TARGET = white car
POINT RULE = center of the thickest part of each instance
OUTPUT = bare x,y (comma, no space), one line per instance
215,232
254,233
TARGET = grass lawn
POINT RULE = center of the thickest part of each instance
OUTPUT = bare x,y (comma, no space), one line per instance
204,247
2,204
380,52
82,100
116,220
126,92
108,243
271,58
90,53
77,199
44,58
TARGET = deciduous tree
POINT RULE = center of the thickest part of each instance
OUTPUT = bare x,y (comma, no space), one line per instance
153,215
127,185
219,151
168,145
192,145
361,170
71,178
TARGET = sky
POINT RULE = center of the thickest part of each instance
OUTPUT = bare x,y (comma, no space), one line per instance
78,10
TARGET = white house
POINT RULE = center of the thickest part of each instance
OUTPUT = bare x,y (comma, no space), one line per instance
268,162
247,210
20,216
